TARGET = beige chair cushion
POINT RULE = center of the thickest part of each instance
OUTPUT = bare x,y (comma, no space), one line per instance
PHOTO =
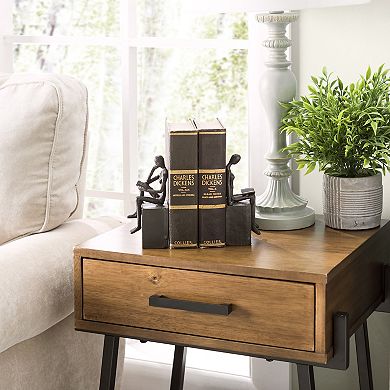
36,278
43,122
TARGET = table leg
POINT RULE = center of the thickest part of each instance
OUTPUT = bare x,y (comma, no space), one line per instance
178,368
363,357
306,377
109,361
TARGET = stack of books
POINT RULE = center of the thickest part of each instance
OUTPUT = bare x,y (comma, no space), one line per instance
197,184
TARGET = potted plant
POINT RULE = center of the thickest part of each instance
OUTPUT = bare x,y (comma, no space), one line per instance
344,130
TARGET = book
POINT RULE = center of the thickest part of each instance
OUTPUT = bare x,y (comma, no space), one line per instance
212,183
183,185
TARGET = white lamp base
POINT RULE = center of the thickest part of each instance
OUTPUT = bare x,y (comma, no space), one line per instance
286,220
278,208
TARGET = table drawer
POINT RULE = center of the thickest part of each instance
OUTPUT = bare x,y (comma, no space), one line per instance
263,311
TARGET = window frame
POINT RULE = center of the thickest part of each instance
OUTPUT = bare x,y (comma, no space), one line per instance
128,43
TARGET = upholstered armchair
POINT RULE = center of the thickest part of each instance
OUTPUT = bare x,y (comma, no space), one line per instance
43,132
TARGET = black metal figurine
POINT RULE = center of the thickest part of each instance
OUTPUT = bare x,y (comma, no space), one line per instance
156,196
246,193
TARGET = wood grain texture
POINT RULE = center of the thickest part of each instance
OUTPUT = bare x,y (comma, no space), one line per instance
315,254
320,316
343,269
267,312
358,287
78,287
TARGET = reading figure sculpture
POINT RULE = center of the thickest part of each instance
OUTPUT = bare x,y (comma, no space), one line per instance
156,196
246,193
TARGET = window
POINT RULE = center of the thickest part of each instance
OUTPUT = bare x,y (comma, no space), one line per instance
143,61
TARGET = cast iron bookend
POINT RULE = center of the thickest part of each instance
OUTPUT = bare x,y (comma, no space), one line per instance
237,216
153,216
238,224
155,234
156,197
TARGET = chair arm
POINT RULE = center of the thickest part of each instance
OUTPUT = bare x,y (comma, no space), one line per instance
36,278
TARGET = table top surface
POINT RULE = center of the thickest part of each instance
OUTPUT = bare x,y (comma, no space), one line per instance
314,255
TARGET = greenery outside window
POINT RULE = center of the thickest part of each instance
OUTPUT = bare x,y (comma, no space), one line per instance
142,61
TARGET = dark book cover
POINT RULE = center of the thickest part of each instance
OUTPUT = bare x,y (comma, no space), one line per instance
183,185
212,183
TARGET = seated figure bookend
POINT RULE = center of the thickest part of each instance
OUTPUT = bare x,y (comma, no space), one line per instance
155,233
152,212
156,196
240,210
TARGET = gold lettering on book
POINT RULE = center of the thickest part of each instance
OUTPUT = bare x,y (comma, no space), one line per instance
219,170
215,179
211,132
181,171
183,207
178,244
183,180
212,206
212,243
183,133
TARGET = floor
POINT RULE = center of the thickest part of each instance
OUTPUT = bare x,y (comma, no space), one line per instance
141,375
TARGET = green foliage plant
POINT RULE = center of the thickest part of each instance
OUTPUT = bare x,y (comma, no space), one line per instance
342,129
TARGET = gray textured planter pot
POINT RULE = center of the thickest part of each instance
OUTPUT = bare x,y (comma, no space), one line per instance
352,203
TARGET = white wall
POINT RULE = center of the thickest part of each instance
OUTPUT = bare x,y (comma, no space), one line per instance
347,40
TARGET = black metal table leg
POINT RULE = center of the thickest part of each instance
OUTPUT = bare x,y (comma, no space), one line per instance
178,368
306,377
363,357
109,361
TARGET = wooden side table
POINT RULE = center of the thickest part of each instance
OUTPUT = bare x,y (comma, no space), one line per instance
295,296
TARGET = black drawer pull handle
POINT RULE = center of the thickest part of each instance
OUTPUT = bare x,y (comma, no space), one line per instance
199,307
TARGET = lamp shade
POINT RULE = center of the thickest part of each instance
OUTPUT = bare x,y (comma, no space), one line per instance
223,6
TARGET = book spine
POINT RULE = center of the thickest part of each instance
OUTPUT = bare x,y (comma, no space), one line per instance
183,189
212,188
